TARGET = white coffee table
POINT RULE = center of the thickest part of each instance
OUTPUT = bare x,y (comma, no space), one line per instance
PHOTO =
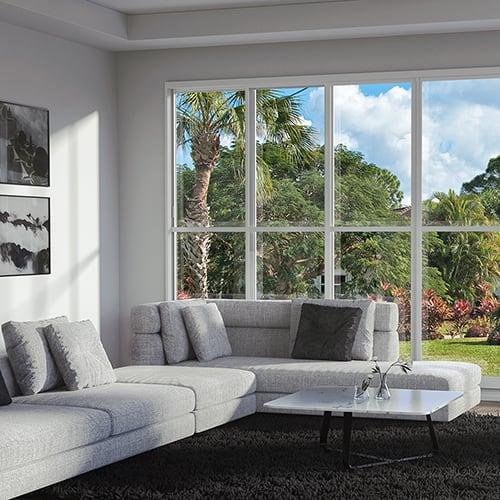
404,402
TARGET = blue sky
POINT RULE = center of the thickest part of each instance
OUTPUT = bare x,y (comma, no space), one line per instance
460,127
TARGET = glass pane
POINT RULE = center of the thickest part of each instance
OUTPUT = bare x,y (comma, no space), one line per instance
376,265
290,265
460,298
211,265
461,152
372,154
290,156
210,158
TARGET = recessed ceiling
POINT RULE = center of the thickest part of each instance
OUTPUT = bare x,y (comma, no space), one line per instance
156,6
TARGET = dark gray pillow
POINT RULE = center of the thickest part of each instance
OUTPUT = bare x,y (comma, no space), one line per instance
5,398
207,332
326,332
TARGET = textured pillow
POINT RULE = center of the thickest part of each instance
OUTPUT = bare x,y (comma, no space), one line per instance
326,332
79,355
29,355
363,341
5,398
206,331
174,335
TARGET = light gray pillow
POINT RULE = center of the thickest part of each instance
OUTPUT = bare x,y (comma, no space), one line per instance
79,355
207,332
29,355
363,341
174,335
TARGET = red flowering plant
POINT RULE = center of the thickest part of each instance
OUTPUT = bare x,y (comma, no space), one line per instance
436,312
461,315
488,305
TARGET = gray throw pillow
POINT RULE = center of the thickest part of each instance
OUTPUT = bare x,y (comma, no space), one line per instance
5,398
79,355
207,332
29,355
326,332
174,335
363,341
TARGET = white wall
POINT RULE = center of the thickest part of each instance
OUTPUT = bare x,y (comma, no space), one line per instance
141,77
77,84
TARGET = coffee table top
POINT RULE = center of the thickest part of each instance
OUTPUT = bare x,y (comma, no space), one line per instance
340,399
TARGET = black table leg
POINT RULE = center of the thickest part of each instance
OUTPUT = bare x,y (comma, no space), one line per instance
325,427
346,440
435,445
374,459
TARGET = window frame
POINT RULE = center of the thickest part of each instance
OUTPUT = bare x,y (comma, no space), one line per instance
416,227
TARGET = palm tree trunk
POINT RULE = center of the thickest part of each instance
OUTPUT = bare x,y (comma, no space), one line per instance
196,246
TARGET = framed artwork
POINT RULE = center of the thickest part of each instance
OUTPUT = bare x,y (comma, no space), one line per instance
24,145
24,235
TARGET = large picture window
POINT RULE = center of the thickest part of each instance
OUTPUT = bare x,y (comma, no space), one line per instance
388,190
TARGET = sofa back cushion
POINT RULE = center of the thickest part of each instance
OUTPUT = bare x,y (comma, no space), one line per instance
257,328
363,341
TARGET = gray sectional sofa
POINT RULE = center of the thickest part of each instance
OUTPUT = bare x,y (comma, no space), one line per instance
51,436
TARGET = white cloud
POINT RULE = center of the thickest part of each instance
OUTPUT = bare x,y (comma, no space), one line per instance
377,125
460,131
305,122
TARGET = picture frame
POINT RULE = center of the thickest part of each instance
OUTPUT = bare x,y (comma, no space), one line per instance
25,235
24,145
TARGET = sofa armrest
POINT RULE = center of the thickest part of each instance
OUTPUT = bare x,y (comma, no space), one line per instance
386,345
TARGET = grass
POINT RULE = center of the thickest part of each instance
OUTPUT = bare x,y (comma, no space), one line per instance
472,350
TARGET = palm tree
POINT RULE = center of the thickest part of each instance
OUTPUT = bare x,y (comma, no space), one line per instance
203,118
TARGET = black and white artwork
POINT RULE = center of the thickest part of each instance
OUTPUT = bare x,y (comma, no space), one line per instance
24,145
24,235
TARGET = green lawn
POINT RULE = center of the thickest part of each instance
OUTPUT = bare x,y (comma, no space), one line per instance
473,350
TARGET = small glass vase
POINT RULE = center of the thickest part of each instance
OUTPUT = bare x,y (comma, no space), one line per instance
383,391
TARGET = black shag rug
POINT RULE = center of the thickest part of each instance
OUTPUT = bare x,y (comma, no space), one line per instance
278,457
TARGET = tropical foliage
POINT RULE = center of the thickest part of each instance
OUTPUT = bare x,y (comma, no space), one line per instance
461,269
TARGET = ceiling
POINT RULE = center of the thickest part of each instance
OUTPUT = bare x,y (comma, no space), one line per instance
155,6
121,25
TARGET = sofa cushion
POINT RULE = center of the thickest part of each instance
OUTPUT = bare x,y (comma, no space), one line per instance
79,355
173,330
254,313
130,406
211,386
206,331
326,332
286,375
145,318
29,355
363,342
33,432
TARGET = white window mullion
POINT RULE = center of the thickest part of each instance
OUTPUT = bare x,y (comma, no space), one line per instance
329,194
170,198
251,194
416,221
